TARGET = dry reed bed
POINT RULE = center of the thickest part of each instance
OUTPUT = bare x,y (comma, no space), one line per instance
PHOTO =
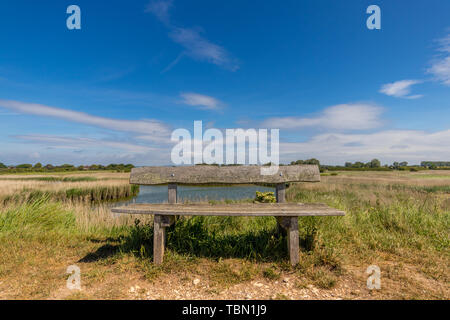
107,189
98,175
382,191
90,218
405,233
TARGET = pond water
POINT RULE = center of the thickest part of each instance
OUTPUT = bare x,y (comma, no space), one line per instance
158,194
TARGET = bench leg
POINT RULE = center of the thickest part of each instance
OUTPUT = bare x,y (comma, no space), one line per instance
280,193
289,225
281,230
159,237
292,238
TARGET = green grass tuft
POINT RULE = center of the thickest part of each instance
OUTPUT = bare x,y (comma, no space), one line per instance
40,218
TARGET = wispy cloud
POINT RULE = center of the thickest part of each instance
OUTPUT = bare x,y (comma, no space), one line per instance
340,117
153,127
400,89
388,146
69,142
111,74
440,66
199,48
200,100
194,43
161,10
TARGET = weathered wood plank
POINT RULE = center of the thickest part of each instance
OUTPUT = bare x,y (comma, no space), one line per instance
293,243
244,209
167,221
284,223
280,193
159,239
222,175
172,196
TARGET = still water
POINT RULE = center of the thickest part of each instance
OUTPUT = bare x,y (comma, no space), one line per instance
158,194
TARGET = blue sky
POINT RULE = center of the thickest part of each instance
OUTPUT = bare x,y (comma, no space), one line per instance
116,89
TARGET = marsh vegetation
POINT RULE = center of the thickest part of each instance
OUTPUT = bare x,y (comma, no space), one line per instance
396,220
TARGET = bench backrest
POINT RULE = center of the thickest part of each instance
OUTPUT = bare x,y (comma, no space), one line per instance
204,174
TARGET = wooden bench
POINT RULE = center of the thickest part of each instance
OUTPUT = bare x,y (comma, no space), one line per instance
286,213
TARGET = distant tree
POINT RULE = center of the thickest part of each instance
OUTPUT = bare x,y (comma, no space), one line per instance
312,161
49,166
358,164
403,164
396,165
348,164
38,165
24,166
2,166
67,167
435,164
309,161
375,163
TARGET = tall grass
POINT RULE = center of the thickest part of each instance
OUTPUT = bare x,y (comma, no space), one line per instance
380,219
54,179
214,237
384,215
409,221
96,194
38,219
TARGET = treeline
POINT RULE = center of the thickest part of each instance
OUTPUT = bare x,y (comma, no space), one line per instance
38,167
375,165
435,164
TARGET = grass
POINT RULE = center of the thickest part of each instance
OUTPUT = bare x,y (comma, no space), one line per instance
95,194
396,221
95,188
40,218
55,179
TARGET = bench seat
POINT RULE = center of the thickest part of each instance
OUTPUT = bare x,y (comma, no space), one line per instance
238,209
285,213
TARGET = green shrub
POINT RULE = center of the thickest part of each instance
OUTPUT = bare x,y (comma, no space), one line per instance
265,197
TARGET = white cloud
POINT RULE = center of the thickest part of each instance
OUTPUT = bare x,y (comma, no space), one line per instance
200,100
340,117
195,45
72,143
150,127
400,89
160,9
199,48
388,146
440,66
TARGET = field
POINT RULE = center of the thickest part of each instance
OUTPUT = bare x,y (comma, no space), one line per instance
398,221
